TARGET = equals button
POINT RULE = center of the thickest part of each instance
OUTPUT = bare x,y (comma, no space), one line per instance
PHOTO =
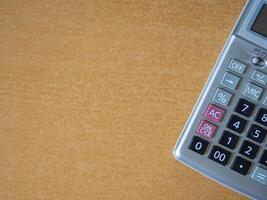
260,175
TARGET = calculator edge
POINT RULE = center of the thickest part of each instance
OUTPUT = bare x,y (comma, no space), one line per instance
177,153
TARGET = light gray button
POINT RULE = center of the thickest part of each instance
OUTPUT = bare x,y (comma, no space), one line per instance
252,91
230,81
259,77
222,97
265,101
260,175
237,66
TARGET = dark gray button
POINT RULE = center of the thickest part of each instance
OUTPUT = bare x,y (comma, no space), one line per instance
222,97
252,91
260,175
237,66
230,81
259,77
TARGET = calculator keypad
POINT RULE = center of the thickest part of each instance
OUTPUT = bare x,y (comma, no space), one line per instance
222,97
230,81
220,155
263,159
240,142
241,165
249,149
198,145
229,140
257,133
252,91
214,113
237,124
244,107
262,117
206,129
237,66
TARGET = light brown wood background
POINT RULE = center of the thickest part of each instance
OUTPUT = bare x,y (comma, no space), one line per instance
94,94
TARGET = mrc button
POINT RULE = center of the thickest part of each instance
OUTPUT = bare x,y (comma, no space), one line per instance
237,66
252,91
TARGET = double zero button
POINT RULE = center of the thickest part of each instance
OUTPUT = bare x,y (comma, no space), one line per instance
219,155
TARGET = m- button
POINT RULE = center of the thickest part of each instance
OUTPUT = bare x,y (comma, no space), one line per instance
214,113
230,81
252,91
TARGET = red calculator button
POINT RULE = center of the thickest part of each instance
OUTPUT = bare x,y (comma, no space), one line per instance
206,129
214,113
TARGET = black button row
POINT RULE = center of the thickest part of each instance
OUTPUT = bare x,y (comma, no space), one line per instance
222,156
246,108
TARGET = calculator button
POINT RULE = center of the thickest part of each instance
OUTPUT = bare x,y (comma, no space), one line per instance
249,149
262,117
244,107
222,97
220,155
241,165
230,81
265,101
198,145
214,113
206,129
257,133
237,124
259,77
263,159
259,175
229,140
255,60
237,66
252,91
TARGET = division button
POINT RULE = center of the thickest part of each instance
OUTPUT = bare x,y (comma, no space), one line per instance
241,165
214,113
230,81
206,129
222,97
259,175
237,66
252,91
259,77
198,145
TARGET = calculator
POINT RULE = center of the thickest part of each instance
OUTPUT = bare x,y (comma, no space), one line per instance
225,137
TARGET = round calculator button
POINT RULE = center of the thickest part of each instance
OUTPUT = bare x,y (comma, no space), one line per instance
255,60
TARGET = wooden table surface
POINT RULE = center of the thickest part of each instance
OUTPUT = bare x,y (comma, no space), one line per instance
94,94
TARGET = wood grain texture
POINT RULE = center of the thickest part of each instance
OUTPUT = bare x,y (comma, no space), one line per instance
94,94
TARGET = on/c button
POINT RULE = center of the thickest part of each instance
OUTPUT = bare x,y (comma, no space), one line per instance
214,113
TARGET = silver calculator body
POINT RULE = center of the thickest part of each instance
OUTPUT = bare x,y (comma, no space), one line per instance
225,137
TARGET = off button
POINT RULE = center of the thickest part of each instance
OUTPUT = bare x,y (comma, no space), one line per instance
237,66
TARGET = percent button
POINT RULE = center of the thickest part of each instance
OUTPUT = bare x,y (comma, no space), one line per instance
222,97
